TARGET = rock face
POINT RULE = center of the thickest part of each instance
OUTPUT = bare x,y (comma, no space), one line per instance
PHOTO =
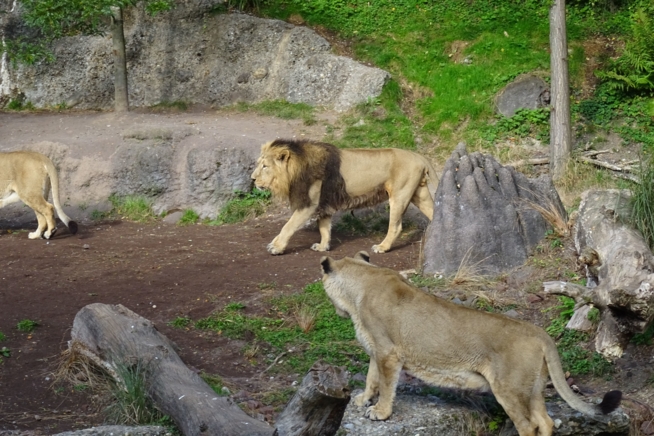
484,215
526,92
195,55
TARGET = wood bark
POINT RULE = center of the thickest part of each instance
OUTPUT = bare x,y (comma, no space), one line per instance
121,101
622,265
119,336
319,404
112,335
560,129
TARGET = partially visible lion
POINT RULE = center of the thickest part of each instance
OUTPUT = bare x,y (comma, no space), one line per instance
319,179
28,176
402,327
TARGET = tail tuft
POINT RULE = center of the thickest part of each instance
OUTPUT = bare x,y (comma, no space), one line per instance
72,226
610,402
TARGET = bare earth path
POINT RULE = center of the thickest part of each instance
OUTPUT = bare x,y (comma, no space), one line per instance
158,270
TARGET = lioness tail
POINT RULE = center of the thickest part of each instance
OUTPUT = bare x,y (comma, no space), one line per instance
54,183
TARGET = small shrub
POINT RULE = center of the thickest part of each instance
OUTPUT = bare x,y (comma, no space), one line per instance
234,307
27,325
132,207
566,310
131,403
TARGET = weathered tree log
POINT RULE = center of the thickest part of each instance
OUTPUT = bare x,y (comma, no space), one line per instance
116,335
112,335
622,264
319,404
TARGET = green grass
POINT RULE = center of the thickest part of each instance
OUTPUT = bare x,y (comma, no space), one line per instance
129,207
644,338
331,338
5,352
245,205
215,382
642,203
280,109
180,322
3,337
565,312
189,216
26,325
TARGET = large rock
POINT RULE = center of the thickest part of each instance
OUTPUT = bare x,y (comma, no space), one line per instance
194,55
484,215
525,92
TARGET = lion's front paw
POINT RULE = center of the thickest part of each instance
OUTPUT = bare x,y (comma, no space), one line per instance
376,413
319,247
34,235
362,400
274,249
379,249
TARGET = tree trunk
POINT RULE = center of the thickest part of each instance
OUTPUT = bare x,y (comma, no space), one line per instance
116,335
560,129
121,101
318,406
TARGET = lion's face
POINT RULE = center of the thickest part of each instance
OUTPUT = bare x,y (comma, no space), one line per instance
271,172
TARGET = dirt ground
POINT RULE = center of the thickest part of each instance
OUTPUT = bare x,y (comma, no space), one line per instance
161,271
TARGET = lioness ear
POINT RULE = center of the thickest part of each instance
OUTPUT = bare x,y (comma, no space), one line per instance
362,255
326,264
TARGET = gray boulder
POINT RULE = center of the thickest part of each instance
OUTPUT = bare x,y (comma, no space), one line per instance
194,55
525,92
484,215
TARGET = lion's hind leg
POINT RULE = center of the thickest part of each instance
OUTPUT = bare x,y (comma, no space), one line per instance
372,386
423,201
398,202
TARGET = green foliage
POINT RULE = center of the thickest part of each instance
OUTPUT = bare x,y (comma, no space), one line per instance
524,123
5,352
3,337
180,322
234,307
245,5
188,217
642,203
644,338
593,315
427,282
281,109
23,51
18,105
331,339
131,403
634,69
579,360
26,325
565,311
131,207
245,205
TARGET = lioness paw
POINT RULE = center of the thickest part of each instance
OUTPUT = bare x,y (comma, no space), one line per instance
375,413
318,247
34,235
361,400
379,249
272,249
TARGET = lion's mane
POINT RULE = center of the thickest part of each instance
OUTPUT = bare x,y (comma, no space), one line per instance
307,162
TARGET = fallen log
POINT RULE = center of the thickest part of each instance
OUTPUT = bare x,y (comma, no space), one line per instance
113,335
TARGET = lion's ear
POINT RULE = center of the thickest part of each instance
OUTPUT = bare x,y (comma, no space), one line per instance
363,255
326,264
284,155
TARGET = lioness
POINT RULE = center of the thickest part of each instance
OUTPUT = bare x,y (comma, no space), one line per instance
27,176
318,179
401,327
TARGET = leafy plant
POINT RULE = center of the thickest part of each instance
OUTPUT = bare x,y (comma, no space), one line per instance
565,311
245,205
234,307
131,403
5,352
27,325
644,338
579,360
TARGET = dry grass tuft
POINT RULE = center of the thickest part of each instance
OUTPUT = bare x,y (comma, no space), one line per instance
468,272
306,318
78,367
552,215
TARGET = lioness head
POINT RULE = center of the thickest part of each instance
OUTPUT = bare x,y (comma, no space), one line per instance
331,279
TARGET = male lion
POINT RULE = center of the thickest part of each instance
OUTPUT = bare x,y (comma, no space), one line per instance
401,327
318,179
27,176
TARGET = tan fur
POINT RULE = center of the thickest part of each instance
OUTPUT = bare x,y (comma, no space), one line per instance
28,176
448,345
318,179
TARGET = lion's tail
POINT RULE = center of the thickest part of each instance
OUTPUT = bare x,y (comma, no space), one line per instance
611,399
54,183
